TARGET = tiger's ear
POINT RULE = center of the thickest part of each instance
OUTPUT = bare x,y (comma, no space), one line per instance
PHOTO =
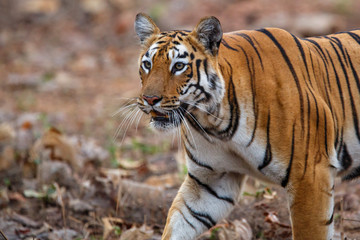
145,27
209,33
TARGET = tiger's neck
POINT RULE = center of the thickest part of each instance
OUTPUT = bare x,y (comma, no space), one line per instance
220,120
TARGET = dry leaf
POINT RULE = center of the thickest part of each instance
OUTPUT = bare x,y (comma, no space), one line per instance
238,229
7,133
114,175
272,218
15,196
54,146
134,233
108,226
166,180
4,197
269,194
129,164
40,6
7,136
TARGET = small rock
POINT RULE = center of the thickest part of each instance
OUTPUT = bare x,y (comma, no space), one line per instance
63,234
88,150
135,233
55,171
26,126
40,6
80,206
54,146
21,81
7,133
25,221
62,81
4,198
7,154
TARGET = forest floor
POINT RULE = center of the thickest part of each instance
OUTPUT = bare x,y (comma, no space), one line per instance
72,166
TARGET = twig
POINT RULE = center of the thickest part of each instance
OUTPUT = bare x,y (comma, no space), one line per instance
74,219
118,199
2,236
353,220
342,218
61,201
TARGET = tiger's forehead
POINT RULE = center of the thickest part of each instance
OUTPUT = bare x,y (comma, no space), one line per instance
169,44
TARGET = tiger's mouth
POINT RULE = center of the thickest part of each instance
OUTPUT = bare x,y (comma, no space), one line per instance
158,116
167,120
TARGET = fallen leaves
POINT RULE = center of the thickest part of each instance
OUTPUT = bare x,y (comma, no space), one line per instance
40,6
7,153
237,229
134,233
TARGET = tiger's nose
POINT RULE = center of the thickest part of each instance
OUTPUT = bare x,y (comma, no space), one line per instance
152,100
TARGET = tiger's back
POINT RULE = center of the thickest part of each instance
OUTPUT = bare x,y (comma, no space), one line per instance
263,103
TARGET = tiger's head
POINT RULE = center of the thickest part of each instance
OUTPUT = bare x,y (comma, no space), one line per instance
178,71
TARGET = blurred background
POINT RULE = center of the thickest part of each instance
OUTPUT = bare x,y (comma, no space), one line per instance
74,163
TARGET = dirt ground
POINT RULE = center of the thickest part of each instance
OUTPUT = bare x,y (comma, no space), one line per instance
74,161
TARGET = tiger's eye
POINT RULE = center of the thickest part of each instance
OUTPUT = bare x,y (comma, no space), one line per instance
179,66
147,64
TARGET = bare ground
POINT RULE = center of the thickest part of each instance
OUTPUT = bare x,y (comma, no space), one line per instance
66,67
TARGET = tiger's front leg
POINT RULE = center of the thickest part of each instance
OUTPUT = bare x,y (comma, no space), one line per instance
204,198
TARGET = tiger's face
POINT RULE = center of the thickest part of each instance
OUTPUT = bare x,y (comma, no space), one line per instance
177,71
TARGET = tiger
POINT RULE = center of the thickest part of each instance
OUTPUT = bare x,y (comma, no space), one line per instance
261,103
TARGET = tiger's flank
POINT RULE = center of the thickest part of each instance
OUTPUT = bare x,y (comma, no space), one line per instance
263,103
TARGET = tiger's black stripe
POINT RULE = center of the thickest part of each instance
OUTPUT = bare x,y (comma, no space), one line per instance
187,221
285,181
247,38
255,105
227,45
210,190
291,68
301,49
353,174
354,36
356,76
227,133
338,84
230,130
253,92
345,159
352,104
330,221
188,140
317,47
268,153
337,41
355,116
307,136
197,162
204,218
325,134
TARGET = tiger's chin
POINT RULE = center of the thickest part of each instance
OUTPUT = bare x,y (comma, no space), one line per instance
164,123
164,127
